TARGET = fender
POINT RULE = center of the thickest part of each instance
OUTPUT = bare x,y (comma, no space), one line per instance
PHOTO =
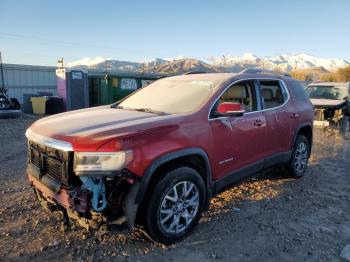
168,157
297,131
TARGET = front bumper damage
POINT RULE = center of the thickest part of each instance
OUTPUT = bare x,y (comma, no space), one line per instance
54,193
326,115
76,202
329,111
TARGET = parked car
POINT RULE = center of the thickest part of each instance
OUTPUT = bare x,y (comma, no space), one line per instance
330,99
157,157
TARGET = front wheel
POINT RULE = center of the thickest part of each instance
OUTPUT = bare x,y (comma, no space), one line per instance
176,205
300,156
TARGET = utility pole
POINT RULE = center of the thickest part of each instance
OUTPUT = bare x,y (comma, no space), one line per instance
60,62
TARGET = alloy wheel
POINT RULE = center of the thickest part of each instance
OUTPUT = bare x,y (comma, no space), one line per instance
179,207
300,158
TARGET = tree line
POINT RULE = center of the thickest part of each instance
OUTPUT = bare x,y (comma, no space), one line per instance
341,75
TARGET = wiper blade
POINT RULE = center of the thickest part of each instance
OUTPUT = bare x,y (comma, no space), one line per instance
117,107
149,110
146,110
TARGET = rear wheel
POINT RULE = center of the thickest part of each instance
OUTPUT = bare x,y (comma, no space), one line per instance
175,206
300,156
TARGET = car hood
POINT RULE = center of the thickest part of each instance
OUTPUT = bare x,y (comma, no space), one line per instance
89,129
327,102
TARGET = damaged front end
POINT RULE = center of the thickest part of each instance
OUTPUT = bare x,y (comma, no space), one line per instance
328,112
330,101
85,186
323,116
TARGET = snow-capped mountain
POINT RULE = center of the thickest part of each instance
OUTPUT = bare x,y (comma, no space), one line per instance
182,66
227,63
86,61
155,62
281,62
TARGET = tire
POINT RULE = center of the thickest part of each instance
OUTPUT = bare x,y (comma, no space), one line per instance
300,156
170,218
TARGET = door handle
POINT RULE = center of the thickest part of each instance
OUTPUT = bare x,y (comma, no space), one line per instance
258,122
294,115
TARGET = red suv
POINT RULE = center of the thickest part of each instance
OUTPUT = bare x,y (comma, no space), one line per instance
158,156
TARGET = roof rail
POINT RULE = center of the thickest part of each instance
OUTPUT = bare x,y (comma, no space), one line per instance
262,71
195,72
255,70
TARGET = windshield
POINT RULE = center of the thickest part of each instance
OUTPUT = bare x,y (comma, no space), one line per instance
170,96
326,92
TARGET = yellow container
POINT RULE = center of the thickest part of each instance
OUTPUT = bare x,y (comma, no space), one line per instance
39,105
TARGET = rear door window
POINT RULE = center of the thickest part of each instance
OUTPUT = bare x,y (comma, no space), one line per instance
273,94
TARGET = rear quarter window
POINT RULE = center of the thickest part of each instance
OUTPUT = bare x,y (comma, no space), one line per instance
297,90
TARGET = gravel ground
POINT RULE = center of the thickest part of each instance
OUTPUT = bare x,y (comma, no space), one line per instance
267,218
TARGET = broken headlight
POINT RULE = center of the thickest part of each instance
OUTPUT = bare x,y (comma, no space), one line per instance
101,161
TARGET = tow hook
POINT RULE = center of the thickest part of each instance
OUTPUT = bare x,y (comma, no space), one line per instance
65,219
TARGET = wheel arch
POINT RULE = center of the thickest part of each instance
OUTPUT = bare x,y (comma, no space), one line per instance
305,130
195,158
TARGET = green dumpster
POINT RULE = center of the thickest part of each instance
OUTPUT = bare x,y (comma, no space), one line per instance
39,105
107,89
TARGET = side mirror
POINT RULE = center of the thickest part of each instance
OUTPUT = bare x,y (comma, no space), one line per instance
230,109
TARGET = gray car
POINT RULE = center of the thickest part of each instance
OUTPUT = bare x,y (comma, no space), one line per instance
330,99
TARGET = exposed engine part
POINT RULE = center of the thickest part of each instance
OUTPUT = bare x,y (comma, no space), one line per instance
319,114
106,203
338,114
81,199
98,190
332,114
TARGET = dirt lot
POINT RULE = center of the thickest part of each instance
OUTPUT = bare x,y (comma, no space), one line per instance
268,218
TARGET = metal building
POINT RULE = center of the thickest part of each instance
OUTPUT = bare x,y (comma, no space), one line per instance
28,79
105,87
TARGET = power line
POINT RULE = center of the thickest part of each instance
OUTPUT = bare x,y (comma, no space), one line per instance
60,42
36,54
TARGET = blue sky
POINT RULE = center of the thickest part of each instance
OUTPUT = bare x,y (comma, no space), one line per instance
40,32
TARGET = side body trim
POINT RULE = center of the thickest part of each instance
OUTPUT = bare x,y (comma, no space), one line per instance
244,172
